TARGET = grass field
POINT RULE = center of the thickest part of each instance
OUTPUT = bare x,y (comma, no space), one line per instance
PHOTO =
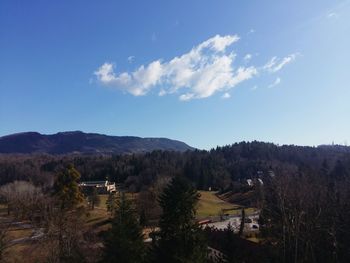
98,220
104,197
210,205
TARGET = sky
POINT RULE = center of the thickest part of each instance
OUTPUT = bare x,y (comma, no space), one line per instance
204,72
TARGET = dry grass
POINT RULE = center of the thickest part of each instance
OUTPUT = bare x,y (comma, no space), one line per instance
18,233
210,205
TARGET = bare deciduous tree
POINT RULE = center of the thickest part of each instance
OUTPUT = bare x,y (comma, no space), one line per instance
23,199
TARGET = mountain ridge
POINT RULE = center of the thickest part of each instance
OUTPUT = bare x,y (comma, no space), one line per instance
80,142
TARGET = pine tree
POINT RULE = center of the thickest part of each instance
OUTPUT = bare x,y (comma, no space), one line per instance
229,250
66,188
111,203
124,242
143,218
93,198
63,224
180,239
241,227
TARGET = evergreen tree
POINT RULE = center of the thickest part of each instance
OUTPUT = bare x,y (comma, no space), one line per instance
66,188
93,198
124,242
230,253
180,239
241,227
143,218
111,203
62,227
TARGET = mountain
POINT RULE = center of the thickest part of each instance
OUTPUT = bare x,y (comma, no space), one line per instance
80,142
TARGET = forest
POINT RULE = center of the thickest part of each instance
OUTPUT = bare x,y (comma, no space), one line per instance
217,168
304,212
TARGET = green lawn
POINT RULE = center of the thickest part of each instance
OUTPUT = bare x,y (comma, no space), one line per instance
210,205
104,197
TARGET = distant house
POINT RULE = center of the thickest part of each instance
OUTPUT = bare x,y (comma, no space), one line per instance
250,182
103,187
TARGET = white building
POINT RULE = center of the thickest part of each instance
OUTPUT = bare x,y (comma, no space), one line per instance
102,186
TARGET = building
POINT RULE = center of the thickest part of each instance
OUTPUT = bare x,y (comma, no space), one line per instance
250,182
103,187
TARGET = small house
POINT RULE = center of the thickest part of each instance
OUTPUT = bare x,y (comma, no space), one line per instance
102,187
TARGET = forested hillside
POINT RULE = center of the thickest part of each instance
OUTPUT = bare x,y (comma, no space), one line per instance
216,168
78,142
299,194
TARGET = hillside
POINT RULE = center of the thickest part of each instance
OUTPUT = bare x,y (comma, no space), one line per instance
80,142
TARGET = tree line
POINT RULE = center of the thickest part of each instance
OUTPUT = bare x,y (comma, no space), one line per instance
61,214
305,217
216,168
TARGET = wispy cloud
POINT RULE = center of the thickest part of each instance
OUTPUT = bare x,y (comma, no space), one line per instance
247,57
161,93
251,31
205,70
275,83
276,64
137,83
332,15
226,95
131,59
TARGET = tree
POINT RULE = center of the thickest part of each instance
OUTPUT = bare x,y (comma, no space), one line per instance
229,250
64,225
143,218
64,238
66,188
3,239
306,217
241,227
124,242
180,237
93,198
22,198
111,203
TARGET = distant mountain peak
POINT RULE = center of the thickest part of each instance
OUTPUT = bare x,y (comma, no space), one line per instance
87,143
69,132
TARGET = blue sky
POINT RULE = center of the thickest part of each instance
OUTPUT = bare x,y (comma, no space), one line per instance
205,72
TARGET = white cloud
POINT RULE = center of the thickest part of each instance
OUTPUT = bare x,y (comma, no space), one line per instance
247,57
251,31
226,95
161,93
332,15
186,96
205,70
255,87
218,43
275,64
275,83
131,59
136,83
